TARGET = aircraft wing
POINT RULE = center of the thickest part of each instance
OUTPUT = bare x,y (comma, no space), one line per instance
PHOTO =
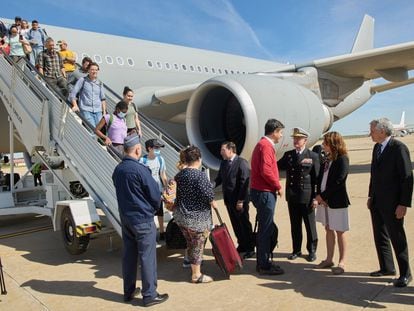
390,62
177,94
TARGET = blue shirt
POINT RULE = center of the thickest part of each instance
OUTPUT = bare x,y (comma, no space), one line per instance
136,191
91,94
38,37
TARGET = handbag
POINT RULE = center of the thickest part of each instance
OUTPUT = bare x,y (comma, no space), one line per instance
27,49
273,237
5,50
174,238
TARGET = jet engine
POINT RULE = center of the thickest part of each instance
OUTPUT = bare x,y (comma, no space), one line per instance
236,108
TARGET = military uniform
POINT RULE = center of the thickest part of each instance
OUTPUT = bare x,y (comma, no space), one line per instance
302,170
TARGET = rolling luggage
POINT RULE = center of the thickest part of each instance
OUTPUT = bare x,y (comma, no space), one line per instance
224,250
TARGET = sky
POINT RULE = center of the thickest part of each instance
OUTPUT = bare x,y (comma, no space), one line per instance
284,31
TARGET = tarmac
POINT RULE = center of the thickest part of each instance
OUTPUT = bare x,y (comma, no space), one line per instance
41,275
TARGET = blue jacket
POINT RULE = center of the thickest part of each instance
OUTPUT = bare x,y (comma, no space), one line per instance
136,191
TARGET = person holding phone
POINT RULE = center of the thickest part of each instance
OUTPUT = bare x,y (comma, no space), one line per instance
16,43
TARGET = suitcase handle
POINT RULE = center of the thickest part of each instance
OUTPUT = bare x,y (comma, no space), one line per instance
218,215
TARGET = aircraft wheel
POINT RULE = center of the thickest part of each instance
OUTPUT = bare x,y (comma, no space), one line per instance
74,245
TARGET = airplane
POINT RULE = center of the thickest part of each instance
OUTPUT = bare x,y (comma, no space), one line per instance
402,129
204,97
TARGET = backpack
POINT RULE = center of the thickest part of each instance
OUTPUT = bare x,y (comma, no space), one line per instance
83,84
105,129
174,238
43,34
273,237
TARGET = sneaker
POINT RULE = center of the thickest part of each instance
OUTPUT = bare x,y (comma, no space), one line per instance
186,263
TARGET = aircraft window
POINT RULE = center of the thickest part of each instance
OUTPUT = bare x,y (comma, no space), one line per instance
213,70
231,71
130,61
238,72
159,65
205,69
192,68
120,60
184,67
219,70
199,69
150,64
167,66
176,67
98,58
226,71
109,60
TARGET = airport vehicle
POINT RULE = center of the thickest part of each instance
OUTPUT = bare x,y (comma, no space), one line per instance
196,96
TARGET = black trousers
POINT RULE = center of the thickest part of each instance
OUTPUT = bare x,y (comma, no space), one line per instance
297,213
387,227
241,226
37,179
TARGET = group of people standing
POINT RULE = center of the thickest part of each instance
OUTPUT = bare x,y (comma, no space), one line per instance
315,192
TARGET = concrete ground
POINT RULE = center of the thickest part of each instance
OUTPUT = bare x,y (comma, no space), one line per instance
41,275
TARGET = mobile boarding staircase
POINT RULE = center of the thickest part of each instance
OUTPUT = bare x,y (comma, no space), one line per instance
43,121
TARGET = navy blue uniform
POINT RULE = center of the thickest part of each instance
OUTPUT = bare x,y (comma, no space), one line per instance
138,198
301,178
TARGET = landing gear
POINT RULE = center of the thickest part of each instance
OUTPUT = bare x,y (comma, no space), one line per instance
74,245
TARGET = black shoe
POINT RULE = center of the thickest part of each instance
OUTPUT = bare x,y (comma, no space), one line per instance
403,281
273,270
311,257
382,273
249,255
131,296
293,256
160,298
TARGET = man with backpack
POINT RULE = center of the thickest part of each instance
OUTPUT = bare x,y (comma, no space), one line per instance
37,38
88,96
156,163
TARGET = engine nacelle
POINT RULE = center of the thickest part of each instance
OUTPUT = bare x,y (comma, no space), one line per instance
236,108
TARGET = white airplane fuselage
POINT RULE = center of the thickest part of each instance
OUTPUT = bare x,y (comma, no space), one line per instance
228,81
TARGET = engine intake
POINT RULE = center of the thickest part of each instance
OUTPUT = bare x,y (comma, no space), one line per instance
235,108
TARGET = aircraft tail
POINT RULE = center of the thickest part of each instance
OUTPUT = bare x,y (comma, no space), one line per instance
402,122
365,37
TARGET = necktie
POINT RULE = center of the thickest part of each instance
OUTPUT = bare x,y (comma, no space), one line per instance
379,151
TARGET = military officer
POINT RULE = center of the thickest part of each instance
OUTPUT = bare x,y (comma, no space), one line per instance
302,168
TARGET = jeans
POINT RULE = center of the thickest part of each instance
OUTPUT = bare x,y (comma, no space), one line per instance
265,203
93,118
139,242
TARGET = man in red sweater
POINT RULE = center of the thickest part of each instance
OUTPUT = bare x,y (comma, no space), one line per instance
265,186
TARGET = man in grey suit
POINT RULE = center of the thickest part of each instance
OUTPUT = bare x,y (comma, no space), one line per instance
390,193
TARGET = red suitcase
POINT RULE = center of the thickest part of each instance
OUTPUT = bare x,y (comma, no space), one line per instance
224,250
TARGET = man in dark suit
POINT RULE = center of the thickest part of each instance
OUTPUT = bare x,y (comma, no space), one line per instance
390,193
302,169
234,177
